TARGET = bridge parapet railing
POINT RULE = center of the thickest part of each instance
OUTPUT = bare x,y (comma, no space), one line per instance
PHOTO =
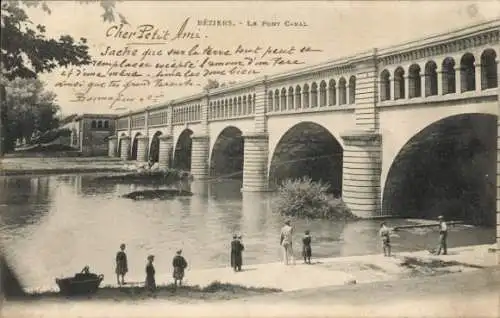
309,91
122,123
138,121
158,118
190,113
231,107
465,64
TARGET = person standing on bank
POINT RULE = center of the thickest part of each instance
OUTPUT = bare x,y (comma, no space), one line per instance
180,264
385,233
443,235
150,283
236,253
306,248
121,265
286,242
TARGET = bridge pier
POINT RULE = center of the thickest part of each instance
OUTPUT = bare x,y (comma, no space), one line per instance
361,173
165,151
124,147
112,145
255,155
142,148
199,156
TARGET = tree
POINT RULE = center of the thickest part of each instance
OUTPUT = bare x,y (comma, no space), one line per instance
26,51
30,109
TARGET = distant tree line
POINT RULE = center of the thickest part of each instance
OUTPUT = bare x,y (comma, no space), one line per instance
30,111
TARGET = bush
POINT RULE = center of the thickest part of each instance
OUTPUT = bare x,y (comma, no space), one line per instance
304,198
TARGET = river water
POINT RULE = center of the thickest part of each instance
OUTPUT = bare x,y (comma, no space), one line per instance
51,226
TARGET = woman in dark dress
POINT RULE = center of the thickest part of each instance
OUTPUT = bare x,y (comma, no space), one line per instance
150,274
306,248
236,253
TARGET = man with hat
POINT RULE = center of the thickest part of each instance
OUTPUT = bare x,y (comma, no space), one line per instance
237,253
443,234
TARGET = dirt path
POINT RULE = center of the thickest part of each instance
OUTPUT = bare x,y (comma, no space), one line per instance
471,294
23,166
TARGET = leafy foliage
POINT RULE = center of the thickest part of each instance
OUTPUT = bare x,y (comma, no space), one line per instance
30,110
305,198
211,84
109,7
26,51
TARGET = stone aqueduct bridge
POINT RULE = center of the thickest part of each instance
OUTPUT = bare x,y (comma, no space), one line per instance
372,103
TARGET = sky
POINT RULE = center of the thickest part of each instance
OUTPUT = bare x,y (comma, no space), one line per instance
336,28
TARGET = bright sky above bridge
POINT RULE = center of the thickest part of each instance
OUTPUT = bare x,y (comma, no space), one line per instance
337,28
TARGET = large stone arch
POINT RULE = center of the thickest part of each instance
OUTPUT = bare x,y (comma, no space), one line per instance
307,149
447,168
226,157
133,149
182,150
154,147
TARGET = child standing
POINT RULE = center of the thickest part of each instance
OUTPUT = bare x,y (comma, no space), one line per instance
150,274
180,265
121,265
385,234
306,248
443,234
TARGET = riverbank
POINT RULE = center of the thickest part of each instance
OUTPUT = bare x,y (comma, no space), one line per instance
473,293
336,271
59,165
465,294
348,270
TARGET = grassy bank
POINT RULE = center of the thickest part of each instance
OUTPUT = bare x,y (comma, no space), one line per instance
16,172
214,291
12,166
418,267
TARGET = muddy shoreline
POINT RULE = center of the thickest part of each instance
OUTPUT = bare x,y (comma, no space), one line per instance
136,292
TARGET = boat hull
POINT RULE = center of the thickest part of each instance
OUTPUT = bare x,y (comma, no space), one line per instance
79,285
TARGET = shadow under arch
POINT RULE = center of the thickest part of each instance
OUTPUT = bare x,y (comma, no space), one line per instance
449,169
308,149
226,159
133,153
154,148
182,152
